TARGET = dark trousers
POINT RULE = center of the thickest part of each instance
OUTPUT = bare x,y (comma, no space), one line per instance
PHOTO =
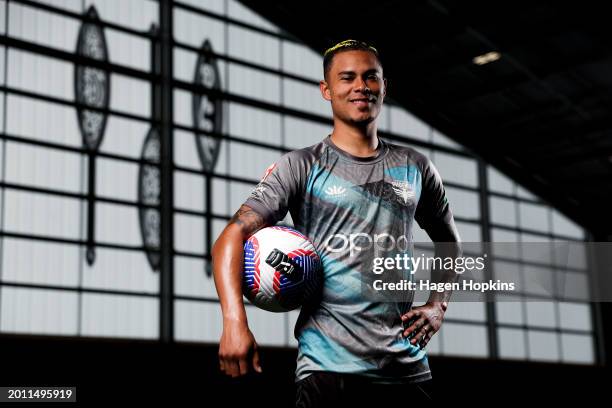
325,389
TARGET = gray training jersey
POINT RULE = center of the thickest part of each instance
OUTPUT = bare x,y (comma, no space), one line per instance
355,209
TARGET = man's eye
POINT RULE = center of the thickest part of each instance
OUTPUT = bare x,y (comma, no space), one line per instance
346,78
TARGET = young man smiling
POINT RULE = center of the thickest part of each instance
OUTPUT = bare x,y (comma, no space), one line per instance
356,197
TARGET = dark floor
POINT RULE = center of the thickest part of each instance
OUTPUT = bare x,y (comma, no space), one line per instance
113,371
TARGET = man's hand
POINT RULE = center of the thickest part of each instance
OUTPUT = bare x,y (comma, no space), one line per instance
238,350
426,321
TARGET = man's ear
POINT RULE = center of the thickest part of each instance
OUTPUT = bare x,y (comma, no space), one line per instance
385,89
325,91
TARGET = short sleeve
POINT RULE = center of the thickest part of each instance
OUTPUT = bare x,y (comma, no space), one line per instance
433,208
276,191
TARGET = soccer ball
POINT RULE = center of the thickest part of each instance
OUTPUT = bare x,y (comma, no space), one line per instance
282,271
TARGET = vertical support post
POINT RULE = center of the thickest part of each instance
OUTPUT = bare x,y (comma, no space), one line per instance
164,66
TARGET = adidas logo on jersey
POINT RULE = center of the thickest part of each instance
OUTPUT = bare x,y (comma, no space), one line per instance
403,190
335,191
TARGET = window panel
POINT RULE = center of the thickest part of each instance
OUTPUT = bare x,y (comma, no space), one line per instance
511,343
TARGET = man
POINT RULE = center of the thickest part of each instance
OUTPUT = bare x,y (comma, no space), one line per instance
356,197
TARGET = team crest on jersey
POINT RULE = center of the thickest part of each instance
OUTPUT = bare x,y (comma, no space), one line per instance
403,190
335,192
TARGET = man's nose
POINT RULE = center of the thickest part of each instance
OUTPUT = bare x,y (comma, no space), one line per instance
361,86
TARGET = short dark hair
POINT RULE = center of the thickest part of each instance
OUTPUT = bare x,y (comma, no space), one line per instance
346,45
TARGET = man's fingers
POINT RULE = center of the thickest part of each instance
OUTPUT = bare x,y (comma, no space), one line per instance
243,366
420,334
256,364
427,338
414,327
411,314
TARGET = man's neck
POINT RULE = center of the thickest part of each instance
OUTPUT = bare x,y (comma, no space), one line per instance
359,142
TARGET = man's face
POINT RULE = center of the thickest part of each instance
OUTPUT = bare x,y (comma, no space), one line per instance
355,86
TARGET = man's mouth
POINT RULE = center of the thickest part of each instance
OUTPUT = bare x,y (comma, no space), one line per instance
362,101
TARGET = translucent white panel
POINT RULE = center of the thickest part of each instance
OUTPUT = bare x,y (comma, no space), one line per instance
184,65
572,285
464,340
503,211
117,224
189,191
72,5
305,97
124,270
543,345
521,192
2,56
469,232
292,318
509,309
42,27
577,348
220,197
190,278
40,262
500,235
185,150
511,343
217,228
268,328
463,203
254,124
534,217
120,316
116,179
406,124
189,234
509,272
20,112
124,137
541,314
38,311
575,316
301,60
40,74
474,311
499,182
239,192
539,281
128,50
434,347
135,14
197,321
2,16
250,161
215,6
456,169
193,29
301,133
419,234
443,140
130,95
562,225
242,13
536,248
571,255
383,120
254,84
254,47
41,214
43,167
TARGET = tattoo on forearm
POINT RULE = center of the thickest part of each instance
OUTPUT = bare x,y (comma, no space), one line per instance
248,220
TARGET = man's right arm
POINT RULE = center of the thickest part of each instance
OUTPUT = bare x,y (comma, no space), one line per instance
237,348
